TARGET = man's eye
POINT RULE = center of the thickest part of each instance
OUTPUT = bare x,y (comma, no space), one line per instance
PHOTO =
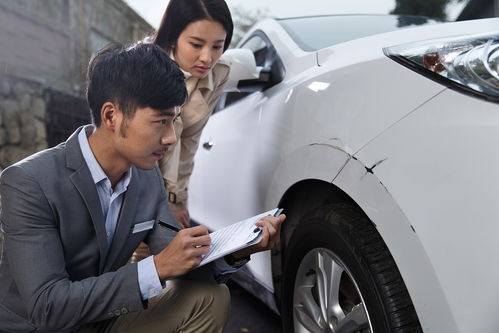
217,47
163,121
196,46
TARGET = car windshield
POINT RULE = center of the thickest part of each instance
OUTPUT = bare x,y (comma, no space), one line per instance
316,32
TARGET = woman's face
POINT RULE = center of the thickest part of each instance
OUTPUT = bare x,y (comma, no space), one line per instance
199,47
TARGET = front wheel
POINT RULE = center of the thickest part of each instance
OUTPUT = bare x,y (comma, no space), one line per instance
340,277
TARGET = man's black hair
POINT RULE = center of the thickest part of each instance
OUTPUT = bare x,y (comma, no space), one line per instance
142,75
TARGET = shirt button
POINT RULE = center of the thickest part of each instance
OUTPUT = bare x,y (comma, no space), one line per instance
124,310
152,291
110,314
108,234
117,312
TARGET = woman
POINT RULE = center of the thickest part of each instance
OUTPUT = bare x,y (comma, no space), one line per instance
195,33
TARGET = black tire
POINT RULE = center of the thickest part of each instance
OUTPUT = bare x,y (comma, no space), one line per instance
366,291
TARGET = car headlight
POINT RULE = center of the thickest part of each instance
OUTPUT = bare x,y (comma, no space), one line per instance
469,64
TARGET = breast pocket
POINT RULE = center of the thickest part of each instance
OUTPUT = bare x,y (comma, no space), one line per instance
143,226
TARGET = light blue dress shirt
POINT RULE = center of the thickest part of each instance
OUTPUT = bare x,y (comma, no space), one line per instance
111,201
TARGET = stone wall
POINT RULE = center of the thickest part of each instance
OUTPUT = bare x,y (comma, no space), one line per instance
45,47
22,119
52,41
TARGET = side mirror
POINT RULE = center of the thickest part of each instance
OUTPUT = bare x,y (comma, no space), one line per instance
243,68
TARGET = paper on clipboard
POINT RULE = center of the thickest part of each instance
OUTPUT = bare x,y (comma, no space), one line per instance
234,237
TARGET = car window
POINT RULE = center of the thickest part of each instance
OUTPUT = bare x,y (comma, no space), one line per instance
259,48
316,32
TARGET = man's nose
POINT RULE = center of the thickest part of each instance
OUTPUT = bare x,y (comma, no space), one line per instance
169,137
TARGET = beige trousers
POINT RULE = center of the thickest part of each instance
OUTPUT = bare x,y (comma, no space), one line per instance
184,306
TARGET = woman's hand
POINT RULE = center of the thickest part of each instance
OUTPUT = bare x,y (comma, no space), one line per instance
182,217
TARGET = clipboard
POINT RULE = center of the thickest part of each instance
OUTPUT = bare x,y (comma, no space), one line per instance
236,236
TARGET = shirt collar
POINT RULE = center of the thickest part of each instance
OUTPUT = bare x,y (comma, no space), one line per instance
96,171
187,75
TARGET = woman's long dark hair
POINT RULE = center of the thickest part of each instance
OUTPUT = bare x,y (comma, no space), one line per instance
180,13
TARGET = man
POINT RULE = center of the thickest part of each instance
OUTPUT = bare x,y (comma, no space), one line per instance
73,214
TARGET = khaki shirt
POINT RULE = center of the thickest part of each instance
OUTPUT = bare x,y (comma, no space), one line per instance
178,162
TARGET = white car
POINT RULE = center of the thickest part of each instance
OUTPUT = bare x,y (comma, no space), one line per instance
379,136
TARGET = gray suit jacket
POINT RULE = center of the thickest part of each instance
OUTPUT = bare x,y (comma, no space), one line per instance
56,273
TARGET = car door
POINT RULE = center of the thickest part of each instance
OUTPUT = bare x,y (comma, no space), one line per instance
227,190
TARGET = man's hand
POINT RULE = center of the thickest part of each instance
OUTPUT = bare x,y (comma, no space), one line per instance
271,231
182,217
183,253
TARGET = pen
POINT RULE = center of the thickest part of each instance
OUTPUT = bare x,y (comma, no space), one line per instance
278,212
169,226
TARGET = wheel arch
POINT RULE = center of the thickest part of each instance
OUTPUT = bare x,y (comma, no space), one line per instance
299,200
358,187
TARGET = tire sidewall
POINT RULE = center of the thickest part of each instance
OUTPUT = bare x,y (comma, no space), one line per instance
333,235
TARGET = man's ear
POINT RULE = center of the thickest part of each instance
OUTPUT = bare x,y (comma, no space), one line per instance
109,115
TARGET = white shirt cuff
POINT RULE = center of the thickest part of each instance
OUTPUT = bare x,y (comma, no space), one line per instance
149,283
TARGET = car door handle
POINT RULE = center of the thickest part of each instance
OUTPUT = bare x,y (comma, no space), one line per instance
208,145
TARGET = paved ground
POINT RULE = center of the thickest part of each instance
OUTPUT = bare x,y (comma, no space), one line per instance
250,315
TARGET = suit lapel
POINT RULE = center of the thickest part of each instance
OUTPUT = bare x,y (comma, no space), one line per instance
88,192
82,180
124,224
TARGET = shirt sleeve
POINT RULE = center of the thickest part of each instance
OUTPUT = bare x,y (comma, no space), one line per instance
149,283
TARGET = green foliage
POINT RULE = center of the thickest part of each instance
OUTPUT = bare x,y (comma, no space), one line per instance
429,8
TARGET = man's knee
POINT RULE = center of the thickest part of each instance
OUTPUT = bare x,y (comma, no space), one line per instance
184,306
222,296
206,306
207,294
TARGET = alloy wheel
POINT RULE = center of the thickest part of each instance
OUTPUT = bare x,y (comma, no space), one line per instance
326,297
